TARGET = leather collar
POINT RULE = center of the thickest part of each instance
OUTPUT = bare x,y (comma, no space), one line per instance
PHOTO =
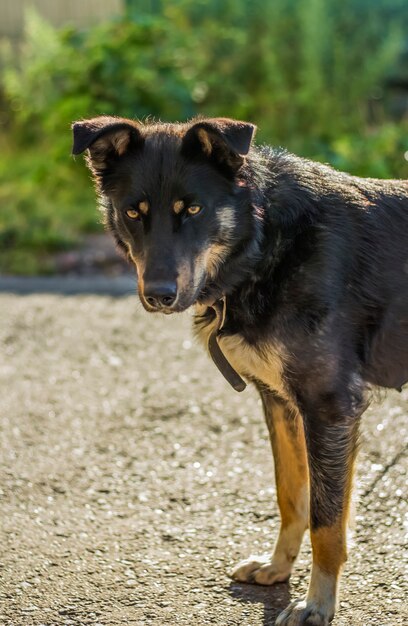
224,366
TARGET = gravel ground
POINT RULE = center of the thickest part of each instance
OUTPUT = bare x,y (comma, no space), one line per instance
133,477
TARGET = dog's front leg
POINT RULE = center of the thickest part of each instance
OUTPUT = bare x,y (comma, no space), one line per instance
331,444
291,473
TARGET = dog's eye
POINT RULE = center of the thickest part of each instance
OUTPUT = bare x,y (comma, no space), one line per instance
133,214
194,209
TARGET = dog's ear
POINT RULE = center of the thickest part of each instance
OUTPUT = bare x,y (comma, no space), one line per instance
220,139
105,137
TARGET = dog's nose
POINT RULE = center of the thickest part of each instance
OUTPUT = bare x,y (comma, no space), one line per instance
160,293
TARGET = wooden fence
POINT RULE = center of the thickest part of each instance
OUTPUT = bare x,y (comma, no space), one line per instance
58,12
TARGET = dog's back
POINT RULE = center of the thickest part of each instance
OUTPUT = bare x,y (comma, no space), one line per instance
357,259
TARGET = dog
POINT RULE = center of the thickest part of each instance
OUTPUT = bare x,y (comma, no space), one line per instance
298,275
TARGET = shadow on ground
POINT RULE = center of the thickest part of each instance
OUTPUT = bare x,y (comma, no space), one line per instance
274,599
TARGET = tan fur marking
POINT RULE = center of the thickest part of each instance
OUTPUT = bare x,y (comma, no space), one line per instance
205,141
144,207
97,154
120,141
214,257
265,366
329,547
329,542
289,450
102,144
178,206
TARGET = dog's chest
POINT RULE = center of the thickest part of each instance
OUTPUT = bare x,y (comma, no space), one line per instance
263,362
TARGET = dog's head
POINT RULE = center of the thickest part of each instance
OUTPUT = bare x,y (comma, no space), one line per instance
174,198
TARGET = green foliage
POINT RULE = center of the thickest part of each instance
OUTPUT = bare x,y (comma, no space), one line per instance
120,68
44,206
309,73
306,71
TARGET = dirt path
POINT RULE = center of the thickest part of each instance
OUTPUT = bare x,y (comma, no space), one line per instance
132,478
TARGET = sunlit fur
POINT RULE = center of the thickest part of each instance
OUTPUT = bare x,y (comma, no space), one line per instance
313,266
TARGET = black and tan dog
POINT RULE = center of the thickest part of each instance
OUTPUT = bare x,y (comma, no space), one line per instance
299,279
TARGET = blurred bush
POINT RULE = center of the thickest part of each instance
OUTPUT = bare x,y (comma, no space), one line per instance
120,67
309,73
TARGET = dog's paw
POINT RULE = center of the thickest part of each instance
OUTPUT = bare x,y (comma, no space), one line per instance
260,571
303,613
